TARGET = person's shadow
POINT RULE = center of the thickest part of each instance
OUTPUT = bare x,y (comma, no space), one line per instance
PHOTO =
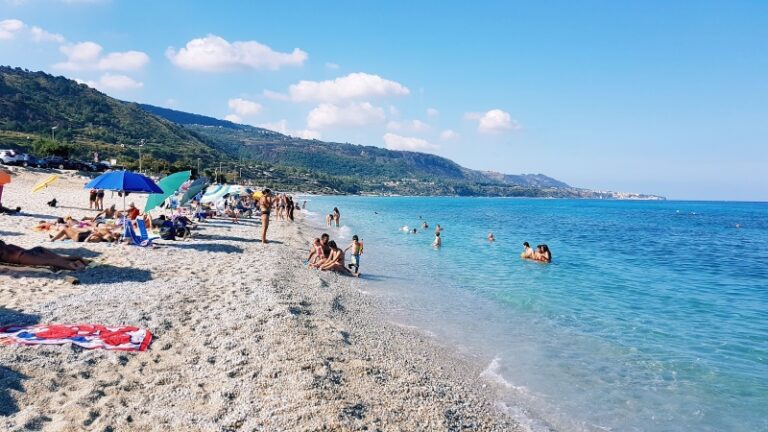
10,380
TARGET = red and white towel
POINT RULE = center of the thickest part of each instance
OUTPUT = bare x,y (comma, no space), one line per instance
89,336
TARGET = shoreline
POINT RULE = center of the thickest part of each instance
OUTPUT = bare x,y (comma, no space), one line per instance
246,338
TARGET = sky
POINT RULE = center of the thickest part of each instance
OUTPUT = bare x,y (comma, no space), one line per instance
656,97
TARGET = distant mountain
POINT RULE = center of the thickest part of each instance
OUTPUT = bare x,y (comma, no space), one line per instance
87,121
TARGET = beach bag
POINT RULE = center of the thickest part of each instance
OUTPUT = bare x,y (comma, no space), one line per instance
168,231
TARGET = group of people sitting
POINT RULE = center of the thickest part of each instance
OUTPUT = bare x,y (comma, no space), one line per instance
326,255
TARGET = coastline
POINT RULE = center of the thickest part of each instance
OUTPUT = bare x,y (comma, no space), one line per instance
246,338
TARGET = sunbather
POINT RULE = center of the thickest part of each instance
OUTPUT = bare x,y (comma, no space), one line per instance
39,256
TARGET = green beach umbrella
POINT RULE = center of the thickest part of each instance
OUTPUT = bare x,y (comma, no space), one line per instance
193,189
169,185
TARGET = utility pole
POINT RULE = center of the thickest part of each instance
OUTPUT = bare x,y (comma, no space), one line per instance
141,144
198,167
219,168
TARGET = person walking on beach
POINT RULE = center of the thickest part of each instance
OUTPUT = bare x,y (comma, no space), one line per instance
265,205
357,250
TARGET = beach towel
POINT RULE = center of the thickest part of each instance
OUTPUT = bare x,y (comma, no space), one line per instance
88,336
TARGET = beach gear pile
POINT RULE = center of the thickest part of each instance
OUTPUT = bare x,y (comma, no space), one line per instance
88,336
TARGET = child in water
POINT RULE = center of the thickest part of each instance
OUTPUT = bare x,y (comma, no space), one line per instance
357,250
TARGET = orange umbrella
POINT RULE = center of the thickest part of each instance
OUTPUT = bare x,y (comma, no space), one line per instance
5,177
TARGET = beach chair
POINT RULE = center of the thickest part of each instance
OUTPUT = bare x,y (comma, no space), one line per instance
143,233
130,234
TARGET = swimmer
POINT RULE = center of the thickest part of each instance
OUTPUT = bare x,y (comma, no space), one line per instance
527,251
438,242
542,254
491,237
414,231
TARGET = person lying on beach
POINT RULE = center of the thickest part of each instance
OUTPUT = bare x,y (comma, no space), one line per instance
438,241
39,256
527,251
357,250
110,213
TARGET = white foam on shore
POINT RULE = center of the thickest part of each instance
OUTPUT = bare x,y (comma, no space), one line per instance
491,373
522,416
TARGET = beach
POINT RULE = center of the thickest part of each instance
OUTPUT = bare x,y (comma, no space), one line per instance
245,337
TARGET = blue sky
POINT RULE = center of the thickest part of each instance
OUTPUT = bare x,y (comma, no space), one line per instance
657,97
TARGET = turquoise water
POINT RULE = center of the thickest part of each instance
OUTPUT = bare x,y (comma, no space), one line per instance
653,316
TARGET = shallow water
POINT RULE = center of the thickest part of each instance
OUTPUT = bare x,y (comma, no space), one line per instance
653,315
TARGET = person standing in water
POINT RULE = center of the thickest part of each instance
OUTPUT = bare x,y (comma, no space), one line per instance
265,205
336,216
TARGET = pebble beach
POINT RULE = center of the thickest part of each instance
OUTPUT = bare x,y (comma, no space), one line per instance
245,337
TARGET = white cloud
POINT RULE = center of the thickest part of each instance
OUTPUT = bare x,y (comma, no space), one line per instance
352,115
432,112
110,81
493,121
243,107
330,65
448,135
269,94
9,28
87,56
282,127
408,125
234,118
123,61
40,35
393,111
354,86
213,53
397,142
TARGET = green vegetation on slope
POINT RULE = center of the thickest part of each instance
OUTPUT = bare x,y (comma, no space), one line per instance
87,121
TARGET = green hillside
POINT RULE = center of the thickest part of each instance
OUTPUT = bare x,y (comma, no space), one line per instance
86,120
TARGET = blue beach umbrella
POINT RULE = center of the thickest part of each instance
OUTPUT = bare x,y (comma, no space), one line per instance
124,181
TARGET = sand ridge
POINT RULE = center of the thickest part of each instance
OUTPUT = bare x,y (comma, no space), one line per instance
246,338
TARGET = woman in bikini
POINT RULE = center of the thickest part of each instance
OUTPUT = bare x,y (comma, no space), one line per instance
265,205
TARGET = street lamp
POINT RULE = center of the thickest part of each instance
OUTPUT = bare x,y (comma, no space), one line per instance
53,133
141,144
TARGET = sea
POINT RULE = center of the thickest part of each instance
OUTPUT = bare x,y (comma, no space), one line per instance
652,316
